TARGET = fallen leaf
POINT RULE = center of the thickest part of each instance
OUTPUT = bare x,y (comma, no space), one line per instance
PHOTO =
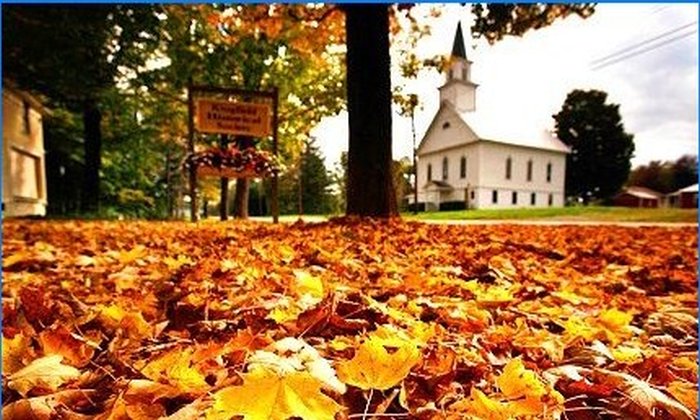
47,372
59,340
379,363
265,395
14,352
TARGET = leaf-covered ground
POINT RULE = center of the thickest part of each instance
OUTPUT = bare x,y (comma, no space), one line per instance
347,319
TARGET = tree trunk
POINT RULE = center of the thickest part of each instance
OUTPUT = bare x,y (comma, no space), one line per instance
92,144
169,184
223,185
240,202
370,189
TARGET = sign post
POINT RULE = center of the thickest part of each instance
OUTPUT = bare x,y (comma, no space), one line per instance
219,114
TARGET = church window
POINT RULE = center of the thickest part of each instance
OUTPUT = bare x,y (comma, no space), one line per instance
430,172
444,169
514,198
550,200
451,74
446,125
464,74
463,167
549,172
472,195
533,199
494,196
509,167
529,170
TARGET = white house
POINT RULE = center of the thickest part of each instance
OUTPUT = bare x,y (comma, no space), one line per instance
464,163
23,169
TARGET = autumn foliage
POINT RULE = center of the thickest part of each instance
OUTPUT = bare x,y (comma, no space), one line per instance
347,319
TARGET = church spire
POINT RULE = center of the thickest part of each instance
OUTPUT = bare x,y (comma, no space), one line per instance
458,46
459,90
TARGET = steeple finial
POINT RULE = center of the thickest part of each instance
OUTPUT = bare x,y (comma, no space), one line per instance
458,46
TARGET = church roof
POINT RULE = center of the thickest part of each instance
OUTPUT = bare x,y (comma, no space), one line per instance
489,129
496,131
458,46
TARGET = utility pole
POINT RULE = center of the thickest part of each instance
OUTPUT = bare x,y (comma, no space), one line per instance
415,165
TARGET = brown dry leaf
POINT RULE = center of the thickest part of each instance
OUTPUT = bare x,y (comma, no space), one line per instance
44,407
686,393
132,409
47,372
265,395
58,340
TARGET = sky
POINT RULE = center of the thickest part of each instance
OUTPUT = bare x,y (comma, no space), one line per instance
524,80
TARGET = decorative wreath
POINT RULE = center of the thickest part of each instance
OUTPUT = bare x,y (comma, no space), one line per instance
233,163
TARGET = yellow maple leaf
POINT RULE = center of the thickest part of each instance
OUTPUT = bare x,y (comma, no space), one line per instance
133,323
615,319
379,363
627,354
528,394
306,283
175,367
266,395
482,407
46,372
14,352
517,382
576,327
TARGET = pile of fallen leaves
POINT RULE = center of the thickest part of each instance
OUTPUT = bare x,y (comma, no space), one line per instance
347,319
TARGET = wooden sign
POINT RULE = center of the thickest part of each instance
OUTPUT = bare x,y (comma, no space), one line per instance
242,118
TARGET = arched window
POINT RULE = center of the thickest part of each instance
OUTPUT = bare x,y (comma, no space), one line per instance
463,167
430,172
464,74
509,167
444,169
529,170
549,172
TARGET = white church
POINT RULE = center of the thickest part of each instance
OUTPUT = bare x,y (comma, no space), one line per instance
464,163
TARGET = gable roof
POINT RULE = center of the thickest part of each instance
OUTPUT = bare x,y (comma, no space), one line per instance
502,133
10,88
689,189
642,192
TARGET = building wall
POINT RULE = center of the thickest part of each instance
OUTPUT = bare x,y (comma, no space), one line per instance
486,172
24,178
492,176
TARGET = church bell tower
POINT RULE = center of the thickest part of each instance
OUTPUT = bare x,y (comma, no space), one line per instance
458,89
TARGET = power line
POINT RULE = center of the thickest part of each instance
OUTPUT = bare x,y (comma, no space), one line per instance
641,44
642,51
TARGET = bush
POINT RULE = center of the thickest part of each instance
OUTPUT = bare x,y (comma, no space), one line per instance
453,205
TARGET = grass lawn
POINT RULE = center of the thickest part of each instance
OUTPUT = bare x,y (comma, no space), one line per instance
592,213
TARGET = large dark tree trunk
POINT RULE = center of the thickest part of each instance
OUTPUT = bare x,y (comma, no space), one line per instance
93,143
240,201
370,189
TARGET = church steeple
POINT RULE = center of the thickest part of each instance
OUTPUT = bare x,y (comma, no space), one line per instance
459,89
458,46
